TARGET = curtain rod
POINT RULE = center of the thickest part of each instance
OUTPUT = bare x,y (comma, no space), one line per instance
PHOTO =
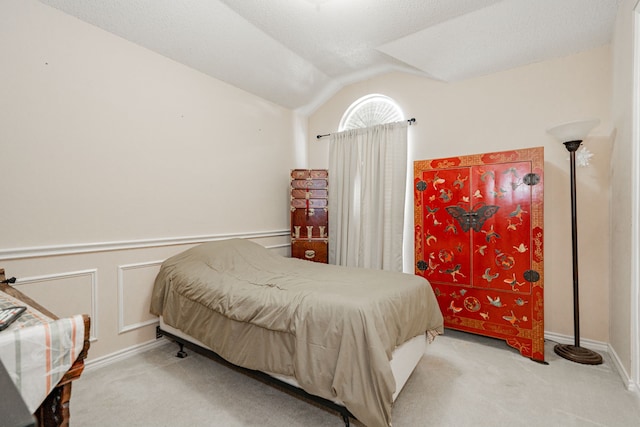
411,121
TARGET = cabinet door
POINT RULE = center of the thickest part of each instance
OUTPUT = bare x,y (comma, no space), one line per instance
479,242
311,250
309,223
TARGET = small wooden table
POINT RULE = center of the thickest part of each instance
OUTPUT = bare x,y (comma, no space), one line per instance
54,410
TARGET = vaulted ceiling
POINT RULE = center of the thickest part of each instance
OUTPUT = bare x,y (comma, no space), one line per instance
297,53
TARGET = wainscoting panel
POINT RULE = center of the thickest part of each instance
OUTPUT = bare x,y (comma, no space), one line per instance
65,278
135,283
56,289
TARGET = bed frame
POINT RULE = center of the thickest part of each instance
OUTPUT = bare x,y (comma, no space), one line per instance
405,358
259,375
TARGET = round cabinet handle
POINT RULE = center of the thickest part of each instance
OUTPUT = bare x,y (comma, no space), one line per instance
309,254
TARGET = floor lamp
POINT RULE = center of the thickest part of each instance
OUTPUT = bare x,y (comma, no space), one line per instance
571,135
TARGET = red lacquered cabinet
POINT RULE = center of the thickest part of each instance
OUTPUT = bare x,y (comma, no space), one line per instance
479,242
309,214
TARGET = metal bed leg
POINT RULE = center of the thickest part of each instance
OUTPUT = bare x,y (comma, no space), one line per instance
181,353
345,418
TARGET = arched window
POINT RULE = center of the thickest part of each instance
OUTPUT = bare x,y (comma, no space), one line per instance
369,111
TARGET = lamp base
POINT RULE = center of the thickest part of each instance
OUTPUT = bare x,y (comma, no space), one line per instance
578,354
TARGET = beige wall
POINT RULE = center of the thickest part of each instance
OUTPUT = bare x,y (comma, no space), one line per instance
109,147
510,110
114,158
103,140
621,230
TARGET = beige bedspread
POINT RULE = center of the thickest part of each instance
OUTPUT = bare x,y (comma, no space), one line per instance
332,328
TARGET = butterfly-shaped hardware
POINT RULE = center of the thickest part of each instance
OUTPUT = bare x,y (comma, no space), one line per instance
474,218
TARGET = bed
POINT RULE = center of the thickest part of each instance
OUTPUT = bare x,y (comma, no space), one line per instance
349,336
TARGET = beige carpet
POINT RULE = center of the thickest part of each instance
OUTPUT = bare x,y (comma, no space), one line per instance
463,380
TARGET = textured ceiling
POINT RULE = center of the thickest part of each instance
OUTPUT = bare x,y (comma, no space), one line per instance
297,53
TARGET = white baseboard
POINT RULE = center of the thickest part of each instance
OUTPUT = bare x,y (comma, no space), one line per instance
568,339
600,347
550,336
122,354
624,375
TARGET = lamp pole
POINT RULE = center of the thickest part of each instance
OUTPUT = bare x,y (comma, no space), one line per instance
574,352
573,146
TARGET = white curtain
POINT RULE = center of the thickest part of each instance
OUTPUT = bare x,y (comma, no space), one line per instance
367,176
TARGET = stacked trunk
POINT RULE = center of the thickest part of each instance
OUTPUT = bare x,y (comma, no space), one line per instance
309,214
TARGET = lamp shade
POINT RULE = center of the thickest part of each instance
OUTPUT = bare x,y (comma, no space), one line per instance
573,131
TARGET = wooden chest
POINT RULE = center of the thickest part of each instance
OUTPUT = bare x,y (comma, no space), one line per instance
309,214
479,242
